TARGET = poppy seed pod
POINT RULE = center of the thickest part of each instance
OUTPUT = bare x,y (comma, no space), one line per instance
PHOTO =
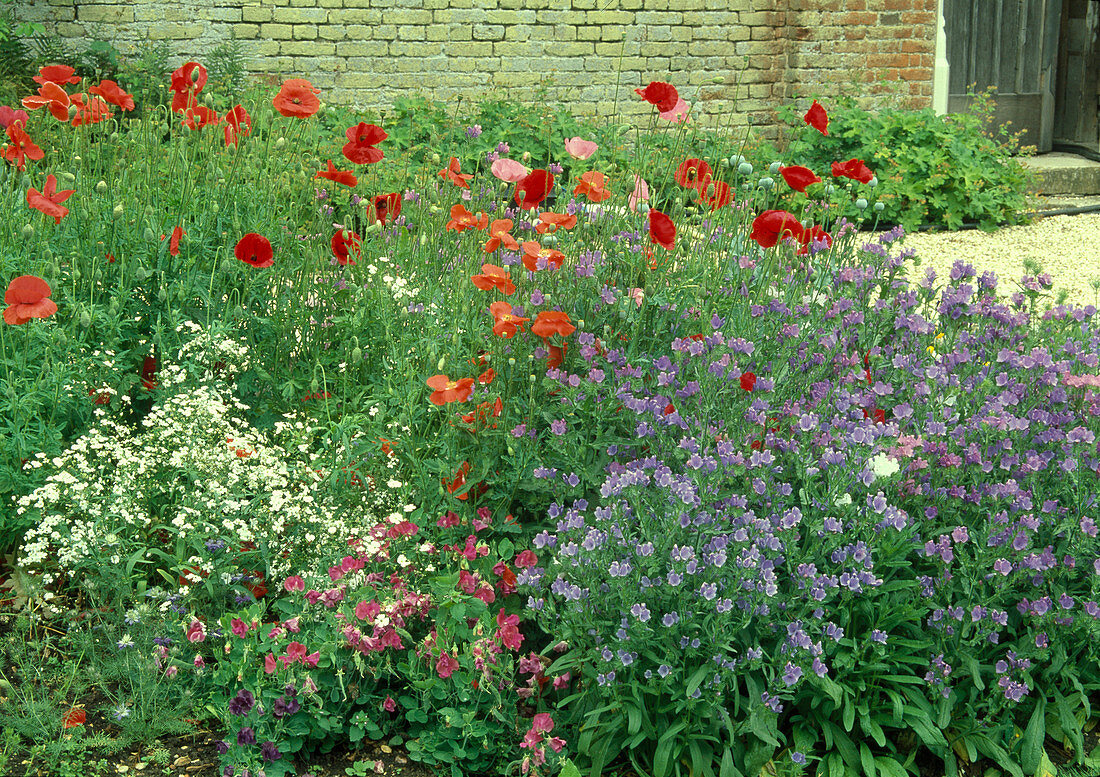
880,207
744,168
766,183
773,168
861,204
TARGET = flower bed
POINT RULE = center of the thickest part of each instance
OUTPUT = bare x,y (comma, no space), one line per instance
535,469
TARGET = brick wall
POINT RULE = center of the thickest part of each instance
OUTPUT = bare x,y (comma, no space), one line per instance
735,60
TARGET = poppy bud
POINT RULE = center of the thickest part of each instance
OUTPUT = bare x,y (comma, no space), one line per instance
85,319
149,235
60,337
28,231
280,142
423,240
114,136
113,305
66,176
315,385
54,269
744,169
162,294
435,159
101,187
357,355
724,164
73,111
439,365
375,227
118,211
227,265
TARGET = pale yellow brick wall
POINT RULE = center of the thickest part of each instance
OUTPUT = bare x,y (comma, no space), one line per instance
366,53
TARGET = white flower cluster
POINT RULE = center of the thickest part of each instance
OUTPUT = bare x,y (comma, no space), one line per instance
400,288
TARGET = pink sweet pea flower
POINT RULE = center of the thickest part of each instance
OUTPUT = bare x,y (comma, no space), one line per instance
312,658
389,705
269,663
508,170
562,680
239,627
292,624
542,722
196,632
579,148
199,662
640,193
638,295
294,583
556,743
295,651
445,666
526,559
678,114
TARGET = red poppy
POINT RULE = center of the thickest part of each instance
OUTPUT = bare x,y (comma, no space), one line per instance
593,185
462,219
58,74
21,147
362,139
452,174
798,177
550,322
149,369
27,297
49,200
877,413
691,173
255,250
445,390
534,188
748,381
344,243
345,177
532,252
817,118
74,717
297,99
716,194
174,243
505,322
89,110
854,169
198,116
551,222
484,412
386,206
487,377
661,230
187,81
494,277
658,93
555,355
772,225
459,481
814,235
52,96
498,235
237,123
112,93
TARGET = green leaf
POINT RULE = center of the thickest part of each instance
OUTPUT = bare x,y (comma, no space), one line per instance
696,680
1031,745
569,769
849,714
662,756
1069,723
888,767
866,759
836,765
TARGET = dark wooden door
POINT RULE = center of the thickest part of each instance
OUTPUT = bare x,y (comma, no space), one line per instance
1012,45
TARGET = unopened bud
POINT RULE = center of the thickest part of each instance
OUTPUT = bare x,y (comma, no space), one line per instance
66,176
149,235
357,355
280,142
85,319
28,231
101,187
118,211
439,365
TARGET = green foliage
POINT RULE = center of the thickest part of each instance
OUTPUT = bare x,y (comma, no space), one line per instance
100,60
226,72
940,170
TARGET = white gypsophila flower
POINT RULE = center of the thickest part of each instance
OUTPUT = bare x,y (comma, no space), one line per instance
883,466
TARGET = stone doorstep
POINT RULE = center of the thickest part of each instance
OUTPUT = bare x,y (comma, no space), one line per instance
1065,174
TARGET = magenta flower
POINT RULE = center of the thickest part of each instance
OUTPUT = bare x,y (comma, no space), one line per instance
445,666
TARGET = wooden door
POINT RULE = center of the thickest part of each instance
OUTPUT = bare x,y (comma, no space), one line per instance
1012,45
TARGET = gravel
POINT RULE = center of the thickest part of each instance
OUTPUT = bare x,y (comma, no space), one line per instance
1067,247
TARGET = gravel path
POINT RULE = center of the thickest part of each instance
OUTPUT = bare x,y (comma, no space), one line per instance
1067,247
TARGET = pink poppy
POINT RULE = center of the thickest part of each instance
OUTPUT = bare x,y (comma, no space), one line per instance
580,149
508,170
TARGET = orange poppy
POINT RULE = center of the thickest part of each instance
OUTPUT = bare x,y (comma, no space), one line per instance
174,243
498,234
506,323
556,355
297,99
487,377
362,139
462,219
551,222
494,277
532,252
458,482
58,74
345,177
52,96
452,174
446,390
28,297
484,411
111,92
593,185
550,322
49,200
21,147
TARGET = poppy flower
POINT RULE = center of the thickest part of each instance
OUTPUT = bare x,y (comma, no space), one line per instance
51,96
49,200
174,243
506,323
297,99
580,149
550,222
534,188
9,116
494,277
486,378
691,173
798,177
814,235
21,147
484,412
661,94
362,139
27,297
344,243
550,322
508,170
254,249
532,252
111,92
498,235
462,219
677,114
661,230
386,206
89,110
149,369
198,116
237,123
445,390
748,381
555,355
773,225
345,177
451,173
817,118
640,193
58,74
716,194
74,717
593,185
187,81
854,169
